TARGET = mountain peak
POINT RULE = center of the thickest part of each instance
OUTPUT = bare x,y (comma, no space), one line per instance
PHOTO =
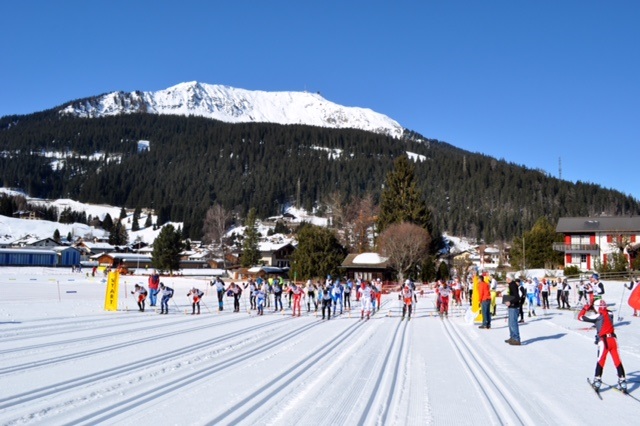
234,105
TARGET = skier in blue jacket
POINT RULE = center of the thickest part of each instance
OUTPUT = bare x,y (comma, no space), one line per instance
167,293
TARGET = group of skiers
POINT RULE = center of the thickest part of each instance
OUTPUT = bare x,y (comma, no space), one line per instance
331,297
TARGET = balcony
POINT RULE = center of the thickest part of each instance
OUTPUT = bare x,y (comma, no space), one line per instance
575,248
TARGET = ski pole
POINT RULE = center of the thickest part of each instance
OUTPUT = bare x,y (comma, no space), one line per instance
624,287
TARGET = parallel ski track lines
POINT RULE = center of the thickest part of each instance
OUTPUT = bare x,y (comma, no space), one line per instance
135,401
236,413
96,351
383,372
25,332
85,339
503,403
111,373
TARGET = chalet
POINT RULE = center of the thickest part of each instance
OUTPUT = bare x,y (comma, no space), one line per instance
276,254
587,239
367,266
127,260
28,214
35,242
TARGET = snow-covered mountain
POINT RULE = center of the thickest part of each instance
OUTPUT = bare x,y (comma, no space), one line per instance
233,105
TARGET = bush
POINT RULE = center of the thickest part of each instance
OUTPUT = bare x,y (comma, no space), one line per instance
572,270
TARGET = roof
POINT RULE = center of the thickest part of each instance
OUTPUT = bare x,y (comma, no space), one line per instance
599,224
365,260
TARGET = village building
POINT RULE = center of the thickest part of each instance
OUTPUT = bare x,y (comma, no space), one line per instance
591,239
367,267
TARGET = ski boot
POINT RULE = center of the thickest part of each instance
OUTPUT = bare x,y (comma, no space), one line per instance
622,384
597,382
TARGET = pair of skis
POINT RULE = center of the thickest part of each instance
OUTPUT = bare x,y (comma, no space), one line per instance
622,391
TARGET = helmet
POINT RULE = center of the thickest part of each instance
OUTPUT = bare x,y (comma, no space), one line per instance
595,276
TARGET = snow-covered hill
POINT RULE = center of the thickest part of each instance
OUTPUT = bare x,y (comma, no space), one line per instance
233,105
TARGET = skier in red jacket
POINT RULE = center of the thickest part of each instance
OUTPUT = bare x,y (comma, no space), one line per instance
607,343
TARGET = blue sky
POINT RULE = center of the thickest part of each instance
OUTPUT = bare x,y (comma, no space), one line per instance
532,82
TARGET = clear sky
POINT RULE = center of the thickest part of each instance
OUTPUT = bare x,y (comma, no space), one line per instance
536,83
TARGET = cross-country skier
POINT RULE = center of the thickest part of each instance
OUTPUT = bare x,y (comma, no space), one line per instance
336,294
260,298
598,287
566,291
277,294
607,342
252,293
326,301
297,293
366,296
407,297
167,293
219,286
544,290
311,296
347,294
195,295
140,294
531,295
445,295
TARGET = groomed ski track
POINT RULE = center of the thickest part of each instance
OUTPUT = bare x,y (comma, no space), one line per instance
184,369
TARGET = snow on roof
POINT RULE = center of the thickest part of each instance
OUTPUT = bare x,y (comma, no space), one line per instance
369,259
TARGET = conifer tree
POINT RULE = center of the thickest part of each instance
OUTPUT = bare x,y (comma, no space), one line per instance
319,253
166,249
135,226
401,201
250,252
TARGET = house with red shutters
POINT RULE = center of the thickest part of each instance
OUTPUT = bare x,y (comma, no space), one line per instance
587,239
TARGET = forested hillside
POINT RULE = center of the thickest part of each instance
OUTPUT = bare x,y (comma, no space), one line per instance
194,162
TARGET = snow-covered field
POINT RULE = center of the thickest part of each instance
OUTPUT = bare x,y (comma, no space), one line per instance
63,360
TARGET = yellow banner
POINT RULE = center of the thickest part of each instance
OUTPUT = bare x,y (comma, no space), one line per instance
111,297
475,300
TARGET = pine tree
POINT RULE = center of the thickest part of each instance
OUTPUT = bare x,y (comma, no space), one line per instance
135,226
535,248
118,235
107,222
56,236
401,200
319,253
166,249
250,252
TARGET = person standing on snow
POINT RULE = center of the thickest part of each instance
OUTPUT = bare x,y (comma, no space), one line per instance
326,301
277,294
336,294
219,286
513,308
261,295
407,297
523,297
531,295
167,293
252,293
598,287
140,293
445,295
493,287
154,282
347,295
544,290
298,294
195,295
566,292
485,303
366,296
311,296
607,342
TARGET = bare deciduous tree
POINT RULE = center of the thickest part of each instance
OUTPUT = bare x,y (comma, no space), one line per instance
215,224
405,244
